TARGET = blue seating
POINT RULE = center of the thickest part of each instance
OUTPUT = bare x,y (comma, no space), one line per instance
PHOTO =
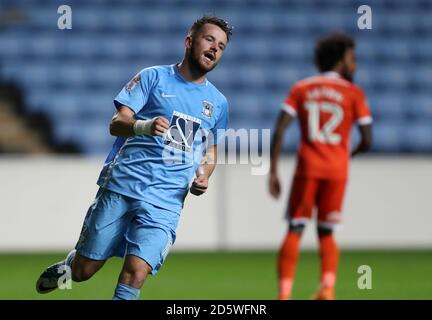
420,107
389,107
418,137
388,136
75,74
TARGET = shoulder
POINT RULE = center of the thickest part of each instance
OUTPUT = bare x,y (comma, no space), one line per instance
155,72
357,92
305,83
299,86
150,77
357,89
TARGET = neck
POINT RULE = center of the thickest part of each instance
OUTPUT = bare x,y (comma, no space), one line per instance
189,73
336,70
342,74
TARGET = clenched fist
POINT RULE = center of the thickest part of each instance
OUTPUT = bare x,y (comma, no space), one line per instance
199,185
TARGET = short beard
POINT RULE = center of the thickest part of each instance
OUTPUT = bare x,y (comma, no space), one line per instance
347,75
196,67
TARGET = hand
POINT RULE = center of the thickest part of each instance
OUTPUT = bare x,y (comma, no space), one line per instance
274,185
159,126
199,185
354,153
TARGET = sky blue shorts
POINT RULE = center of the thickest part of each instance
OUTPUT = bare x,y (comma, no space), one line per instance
116,225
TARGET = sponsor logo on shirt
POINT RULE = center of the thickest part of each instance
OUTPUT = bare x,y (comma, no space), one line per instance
182,131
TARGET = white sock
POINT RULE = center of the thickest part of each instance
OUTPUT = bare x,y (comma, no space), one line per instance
70,257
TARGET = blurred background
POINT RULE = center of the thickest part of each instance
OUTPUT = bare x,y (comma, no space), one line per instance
56,92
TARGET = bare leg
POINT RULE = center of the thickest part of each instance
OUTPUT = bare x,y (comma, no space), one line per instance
134,272
84,268
131,279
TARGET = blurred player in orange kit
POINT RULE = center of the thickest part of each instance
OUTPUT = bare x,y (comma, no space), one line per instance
327,105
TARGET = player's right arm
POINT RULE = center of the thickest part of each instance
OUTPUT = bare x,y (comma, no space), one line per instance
123,124
129,102
283,121
287,114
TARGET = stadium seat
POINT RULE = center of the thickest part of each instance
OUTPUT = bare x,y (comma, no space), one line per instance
418,137
388,107
388,135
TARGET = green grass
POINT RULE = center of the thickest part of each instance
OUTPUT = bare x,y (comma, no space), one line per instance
233,275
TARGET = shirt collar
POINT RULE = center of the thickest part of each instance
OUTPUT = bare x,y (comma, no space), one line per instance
331,74
175,71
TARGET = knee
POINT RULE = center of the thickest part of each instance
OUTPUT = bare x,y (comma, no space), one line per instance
135,275
296,227
324,231
135,278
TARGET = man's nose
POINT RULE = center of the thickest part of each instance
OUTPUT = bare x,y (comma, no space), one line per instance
214,48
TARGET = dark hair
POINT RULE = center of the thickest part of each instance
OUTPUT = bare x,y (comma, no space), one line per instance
212,20
331,49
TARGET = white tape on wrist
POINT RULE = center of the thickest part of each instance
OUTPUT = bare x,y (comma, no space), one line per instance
143,127
200,171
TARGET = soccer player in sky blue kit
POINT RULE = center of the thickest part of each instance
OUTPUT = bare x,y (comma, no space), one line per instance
168,122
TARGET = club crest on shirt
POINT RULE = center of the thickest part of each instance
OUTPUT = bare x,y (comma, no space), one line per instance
132,84
181,132
207,109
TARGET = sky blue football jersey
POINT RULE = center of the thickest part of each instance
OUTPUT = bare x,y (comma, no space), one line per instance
159,169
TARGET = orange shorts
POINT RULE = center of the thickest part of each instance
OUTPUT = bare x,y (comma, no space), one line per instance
324,194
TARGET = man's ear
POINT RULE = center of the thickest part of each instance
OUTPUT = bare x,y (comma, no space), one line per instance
347,56
340,65
188,42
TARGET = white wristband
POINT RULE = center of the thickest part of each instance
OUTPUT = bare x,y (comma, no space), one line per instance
143,127
199,171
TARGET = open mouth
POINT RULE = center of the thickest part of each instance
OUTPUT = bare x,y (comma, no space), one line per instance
209,56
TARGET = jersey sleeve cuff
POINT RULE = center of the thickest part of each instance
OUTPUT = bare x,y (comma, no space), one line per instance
289,109
364,120
118,103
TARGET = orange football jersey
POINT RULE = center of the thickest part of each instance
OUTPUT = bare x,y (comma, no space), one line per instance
327,107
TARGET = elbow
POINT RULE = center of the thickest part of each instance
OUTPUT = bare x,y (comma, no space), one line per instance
113,128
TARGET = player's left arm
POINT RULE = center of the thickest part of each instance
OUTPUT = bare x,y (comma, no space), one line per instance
364,120
209,160
204,171
366,139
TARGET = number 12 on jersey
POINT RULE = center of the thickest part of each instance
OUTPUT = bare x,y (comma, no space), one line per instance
326,134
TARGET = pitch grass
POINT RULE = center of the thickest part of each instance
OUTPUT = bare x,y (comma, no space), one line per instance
233,275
